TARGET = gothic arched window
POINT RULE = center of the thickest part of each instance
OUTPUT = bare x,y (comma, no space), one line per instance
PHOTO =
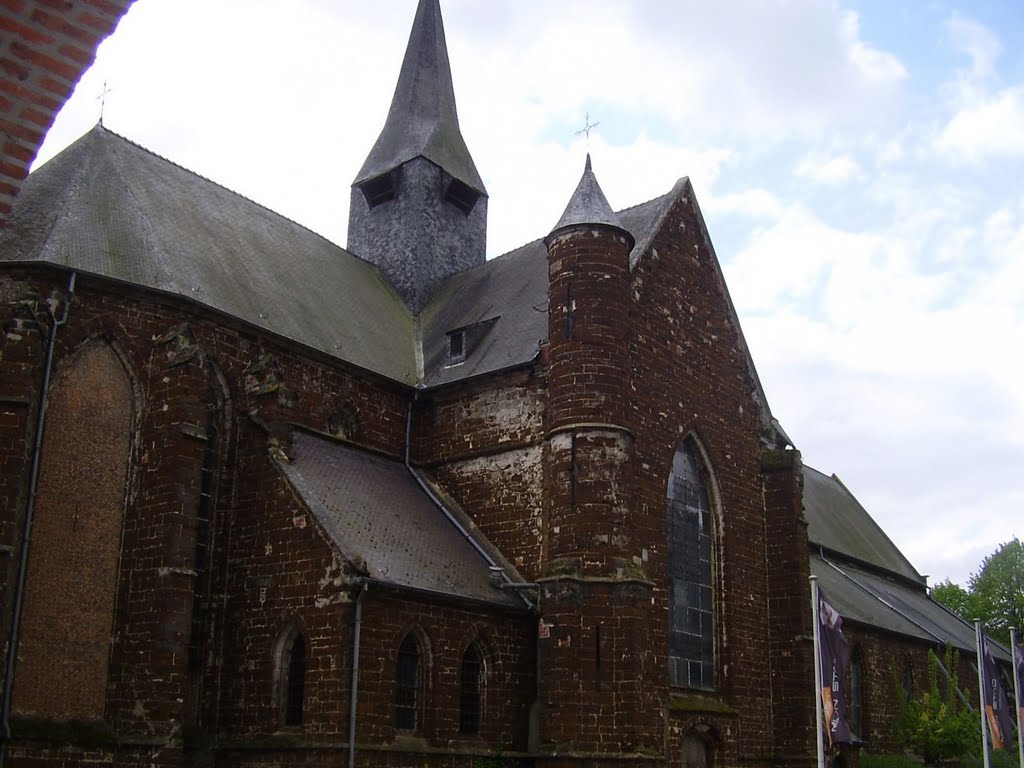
295,681
691,654
470,690
407,683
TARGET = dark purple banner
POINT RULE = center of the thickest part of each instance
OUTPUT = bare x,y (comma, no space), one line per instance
1018,670
997,712
834,660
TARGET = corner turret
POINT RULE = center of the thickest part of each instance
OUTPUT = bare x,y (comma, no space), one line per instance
595,583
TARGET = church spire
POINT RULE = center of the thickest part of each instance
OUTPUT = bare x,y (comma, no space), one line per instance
418,208
423,120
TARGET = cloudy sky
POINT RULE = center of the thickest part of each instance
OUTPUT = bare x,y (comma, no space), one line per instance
858,164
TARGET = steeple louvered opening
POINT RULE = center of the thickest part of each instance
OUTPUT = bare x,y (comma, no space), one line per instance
380,189
462,196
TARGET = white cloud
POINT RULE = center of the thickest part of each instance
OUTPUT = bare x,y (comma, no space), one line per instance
823,168
992,127
977,41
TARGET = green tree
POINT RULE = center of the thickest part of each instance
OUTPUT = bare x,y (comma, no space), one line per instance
994,594
954,597
937,726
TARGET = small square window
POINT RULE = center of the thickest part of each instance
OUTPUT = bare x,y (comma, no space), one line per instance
456,347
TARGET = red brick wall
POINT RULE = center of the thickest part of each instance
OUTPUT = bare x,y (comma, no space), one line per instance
271,567
45,46
69,597
690,376
882,660
484,444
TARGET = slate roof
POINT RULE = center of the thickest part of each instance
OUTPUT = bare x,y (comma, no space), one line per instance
374,511
588,204
108,207
838,522
873,599
423,120
866,576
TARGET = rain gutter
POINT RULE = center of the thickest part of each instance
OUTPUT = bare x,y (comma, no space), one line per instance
26,530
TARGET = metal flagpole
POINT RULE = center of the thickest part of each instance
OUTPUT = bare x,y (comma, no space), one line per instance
817,671
981,690
1016,695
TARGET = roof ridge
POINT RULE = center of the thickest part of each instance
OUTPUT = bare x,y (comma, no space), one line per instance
226,188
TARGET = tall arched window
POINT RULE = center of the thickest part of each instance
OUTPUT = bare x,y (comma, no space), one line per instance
295,681
470,690
407,683
691,655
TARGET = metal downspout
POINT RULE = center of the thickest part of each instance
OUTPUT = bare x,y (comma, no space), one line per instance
356,637
26,530
451,518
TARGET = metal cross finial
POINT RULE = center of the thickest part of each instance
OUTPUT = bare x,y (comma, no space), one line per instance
587,128
102,99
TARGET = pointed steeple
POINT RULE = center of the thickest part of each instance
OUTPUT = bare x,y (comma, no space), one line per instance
423,120
418,208
588,205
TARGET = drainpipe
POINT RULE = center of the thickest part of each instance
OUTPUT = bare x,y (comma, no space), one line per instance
507,582
26,530
356,632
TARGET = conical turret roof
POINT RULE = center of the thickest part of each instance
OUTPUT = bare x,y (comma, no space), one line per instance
422,120
588,205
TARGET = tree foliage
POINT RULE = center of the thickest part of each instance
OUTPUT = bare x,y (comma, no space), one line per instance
936,725
994,594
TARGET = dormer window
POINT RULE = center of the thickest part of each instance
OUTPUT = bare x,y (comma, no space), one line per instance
463,341
379,190
462,196
456,347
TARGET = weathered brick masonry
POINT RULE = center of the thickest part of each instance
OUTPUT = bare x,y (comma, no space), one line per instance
191,648
173,561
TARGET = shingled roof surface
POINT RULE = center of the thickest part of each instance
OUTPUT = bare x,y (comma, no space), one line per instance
374,511
423,120
838,522
109,207
877,601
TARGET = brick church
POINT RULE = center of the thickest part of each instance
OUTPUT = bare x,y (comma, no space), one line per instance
267,501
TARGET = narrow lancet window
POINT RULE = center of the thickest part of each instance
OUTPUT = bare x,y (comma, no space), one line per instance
407,683
690,583
470,691
295,689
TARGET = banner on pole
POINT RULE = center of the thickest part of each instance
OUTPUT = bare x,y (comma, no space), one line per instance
1018,671
996,709
833,659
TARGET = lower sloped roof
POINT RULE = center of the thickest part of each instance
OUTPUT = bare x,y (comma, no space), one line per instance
894,606
838,522
376,514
